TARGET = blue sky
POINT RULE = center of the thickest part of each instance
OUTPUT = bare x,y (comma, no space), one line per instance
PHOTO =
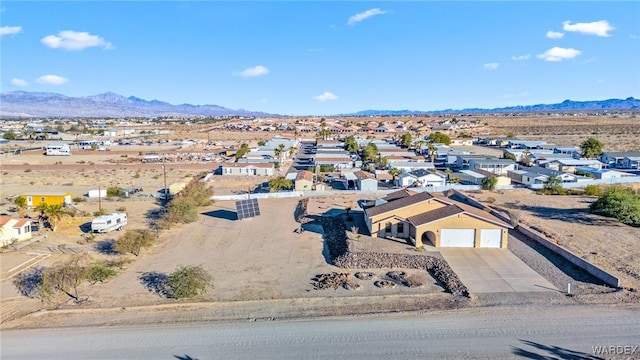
299,58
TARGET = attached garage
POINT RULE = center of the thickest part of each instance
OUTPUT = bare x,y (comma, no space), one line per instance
491,238
457,237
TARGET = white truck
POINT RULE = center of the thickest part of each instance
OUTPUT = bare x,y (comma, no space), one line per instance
109,222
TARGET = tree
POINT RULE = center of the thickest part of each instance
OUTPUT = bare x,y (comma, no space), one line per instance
280,151
261,143
508,155
553,184
65,277
440,138
9,135
279,183
489,182
50,214
291,151
591,148
395,172
369,152
433,151
21,203
188,281
134,240
405,139
323,133
244,148
350,144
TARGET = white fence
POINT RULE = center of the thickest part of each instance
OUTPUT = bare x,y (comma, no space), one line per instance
567,185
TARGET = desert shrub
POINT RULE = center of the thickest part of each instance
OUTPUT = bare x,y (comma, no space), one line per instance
99,212
27,170
121,209
489,182
592,190
113,191
133,241
182,210
491,200
618,202
79,199
99,272
188,281
119,263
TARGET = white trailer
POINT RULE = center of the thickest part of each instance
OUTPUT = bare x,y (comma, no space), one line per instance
109,222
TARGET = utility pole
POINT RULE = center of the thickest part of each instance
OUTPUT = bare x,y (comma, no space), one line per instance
164,174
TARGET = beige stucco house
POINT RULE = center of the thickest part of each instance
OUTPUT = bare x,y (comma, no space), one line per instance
423,218
303,181
264,169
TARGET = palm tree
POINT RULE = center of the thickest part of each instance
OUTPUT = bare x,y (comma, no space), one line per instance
448,172
278,183
21,203
395,172
432,151
50,214
291,151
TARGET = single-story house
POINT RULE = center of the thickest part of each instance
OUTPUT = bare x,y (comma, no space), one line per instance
407,166
303,181
425,218
616,158
265,169
49,198
602,173
570,165
494,166
631,162
525,177
366,181
14,229
420,177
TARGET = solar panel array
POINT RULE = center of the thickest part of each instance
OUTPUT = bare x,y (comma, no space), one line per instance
247,208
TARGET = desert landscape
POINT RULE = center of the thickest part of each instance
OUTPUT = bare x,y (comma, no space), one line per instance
267,269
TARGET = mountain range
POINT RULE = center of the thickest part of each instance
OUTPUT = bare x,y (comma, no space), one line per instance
40,104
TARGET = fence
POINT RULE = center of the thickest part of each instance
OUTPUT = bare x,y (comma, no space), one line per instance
567,185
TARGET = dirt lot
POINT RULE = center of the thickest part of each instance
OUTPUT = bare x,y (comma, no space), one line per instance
601,240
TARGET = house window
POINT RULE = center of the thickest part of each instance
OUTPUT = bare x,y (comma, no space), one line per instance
387,227
41,199
400,229
19,231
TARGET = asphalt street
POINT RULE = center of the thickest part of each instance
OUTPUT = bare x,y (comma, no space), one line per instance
559,332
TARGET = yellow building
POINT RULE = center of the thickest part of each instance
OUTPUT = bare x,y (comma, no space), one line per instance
49,198
424,218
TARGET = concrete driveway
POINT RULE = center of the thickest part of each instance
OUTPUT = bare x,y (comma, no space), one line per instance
494,270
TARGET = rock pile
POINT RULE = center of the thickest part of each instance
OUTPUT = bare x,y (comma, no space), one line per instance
365,275
334,280
338,246
385,284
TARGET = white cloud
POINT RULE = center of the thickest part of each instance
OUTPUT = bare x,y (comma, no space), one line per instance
8,30
73,40
19,82
598,28
491,66
365,15
312,50
51,80
521,57
325,97
554,35
558,54
258,70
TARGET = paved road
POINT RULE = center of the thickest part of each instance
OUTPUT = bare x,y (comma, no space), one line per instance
561,332
494,270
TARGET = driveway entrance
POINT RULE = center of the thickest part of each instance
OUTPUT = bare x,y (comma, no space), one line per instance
494,270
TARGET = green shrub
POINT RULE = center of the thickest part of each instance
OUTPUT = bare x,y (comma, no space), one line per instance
592,190
619,202
188,281
99,272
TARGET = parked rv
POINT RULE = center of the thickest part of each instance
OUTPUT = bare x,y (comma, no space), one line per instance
109,222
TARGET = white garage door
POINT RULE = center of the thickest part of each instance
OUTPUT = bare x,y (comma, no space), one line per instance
457,237
490,238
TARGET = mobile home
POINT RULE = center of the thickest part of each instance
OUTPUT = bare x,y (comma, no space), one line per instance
49,198
109,222
57,150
